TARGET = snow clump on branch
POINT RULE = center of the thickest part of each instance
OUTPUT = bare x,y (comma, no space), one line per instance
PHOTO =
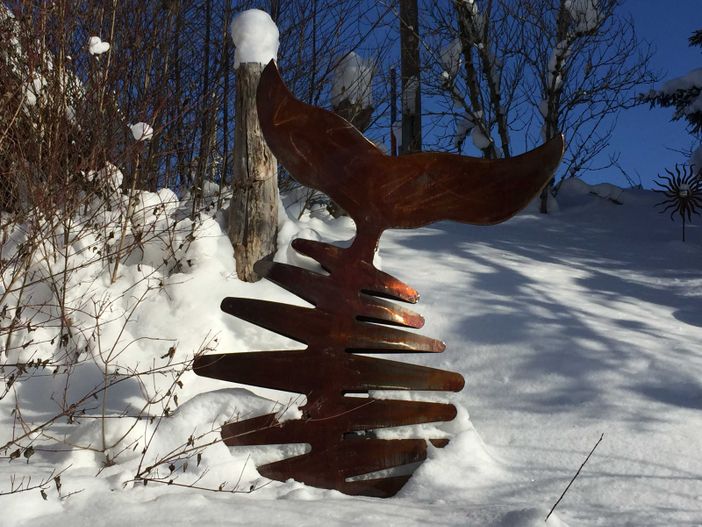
555,65
353,77
141,131
34,88
687,82
97,46
255,37
480,140
691,81
584,13
450,57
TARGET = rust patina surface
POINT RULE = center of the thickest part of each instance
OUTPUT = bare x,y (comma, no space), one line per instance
356,305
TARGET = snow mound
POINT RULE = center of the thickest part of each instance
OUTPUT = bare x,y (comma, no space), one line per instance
574,192
255,37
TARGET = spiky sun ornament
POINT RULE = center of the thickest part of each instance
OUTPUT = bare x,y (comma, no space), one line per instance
683,193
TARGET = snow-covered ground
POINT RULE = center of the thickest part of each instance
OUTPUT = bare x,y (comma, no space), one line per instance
565,327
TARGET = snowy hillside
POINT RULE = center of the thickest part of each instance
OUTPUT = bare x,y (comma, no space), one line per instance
565,327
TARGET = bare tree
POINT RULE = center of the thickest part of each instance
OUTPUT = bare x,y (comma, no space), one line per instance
509,68
589,64
486,41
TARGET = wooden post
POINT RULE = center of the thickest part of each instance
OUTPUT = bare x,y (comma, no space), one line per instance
253,213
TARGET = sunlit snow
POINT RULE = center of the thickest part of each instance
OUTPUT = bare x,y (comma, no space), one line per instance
566,326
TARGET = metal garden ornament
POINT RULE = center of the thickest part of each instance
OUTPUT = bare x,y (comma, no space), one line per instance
357,312
683,193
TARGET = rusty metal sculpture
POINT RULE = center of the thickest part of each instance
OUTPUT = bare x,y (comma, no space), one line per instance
352,314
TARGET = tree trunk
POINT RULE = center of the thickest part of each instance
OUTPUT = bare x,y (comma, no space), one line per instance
411,95
553,98
204,151
355,113
253,213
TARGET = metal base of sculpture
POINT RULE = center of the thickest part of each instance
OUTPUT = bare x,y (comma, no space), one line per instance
346,320
355,304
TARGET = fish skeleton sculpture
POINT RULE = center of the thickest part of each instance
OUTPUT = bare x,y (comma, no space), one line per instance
355,305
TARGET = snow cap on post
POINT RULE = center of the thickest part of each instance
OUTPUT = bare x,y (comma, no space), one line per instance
255,37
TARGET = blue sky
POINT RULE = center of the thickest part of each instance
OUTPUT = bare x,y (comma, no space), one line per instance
644,136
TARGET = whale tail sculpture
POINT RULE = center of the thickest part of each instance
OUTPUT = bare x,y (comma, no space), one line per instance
355,305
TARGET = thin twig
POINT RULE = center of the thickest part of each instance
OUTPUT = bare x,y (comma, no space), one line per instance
234,490
25,484
574,477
